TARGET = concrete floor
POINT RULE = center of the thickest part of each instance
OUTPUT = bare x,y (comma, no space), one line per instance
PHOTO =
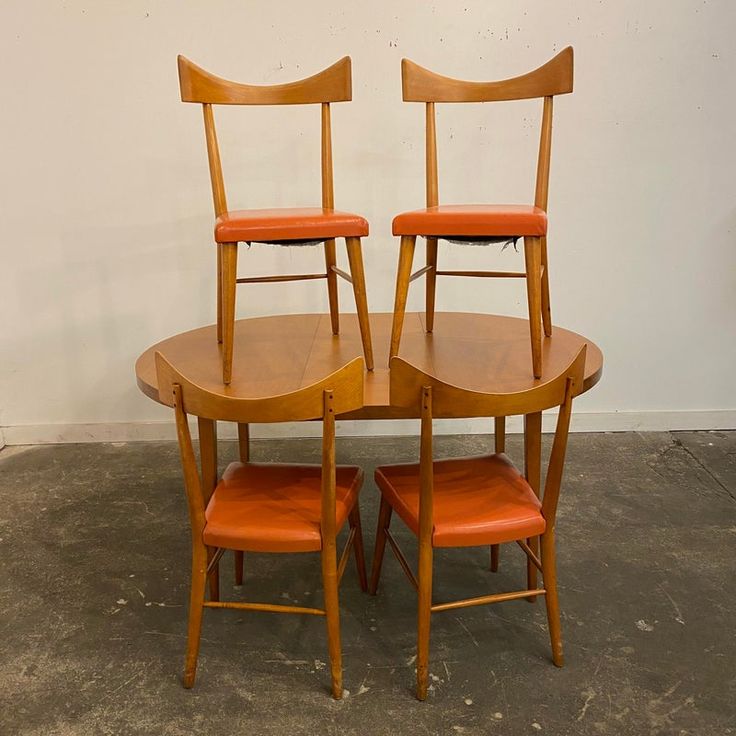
94,565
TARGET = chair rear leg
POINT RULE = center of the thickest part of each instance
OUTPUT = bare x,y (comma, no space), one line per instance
533,258
549,574
354,520
494,557
332,617
238,560
499,440
196,608
384,520
431,282
229,275
546,309
406,258
330,261
355,257
244,453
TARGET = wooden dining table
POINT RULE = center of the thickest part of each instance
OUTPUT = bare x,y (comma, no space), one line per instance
279,354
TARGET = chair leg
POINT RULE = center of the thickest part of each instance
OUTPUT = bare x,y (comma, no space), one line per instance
494,557
533,474
549,574
355,257
533,258
332,616
330,261
499,440
546,309
423,618
219,294
214,576
196,608
406,258
243,442
354,520
238,558
431,282
229,274
384,520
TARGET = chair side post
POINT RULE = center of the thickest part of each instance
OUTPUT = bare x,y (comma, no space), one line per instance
426,514
329,544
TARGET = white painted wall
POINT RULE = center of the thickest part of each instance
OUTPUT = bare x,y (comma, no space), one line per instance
106,218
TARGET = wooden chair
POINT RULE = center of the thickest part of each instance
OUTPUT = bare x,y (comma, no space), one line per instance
472,501
484,222
283,226
268,507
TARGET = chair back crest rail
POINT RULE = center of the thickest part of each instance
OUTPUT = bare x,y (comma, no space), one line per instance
303,404
432,398
553,78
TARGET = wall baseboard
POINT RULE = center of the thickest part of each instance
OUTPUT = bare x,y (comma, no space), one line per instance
647,421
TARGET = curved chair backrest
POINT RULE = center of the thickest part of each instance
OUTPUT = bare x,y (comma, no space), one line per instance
553,78
333,84
408,383
341,391
345,385
430,397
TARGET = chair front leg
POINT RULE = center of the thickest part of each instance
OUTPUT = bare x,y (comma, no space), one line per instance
355,257
330,261
214,576
354,520
533,258
229,275
384,521
549,574
403,274
196,608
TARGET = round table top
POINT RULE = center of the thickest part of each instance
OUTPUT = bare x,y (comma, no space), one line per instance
280,354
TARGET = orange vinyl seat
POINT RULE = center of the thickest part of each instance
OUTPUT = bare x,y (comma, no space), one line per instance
477,500
473,221
283,224
259,507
